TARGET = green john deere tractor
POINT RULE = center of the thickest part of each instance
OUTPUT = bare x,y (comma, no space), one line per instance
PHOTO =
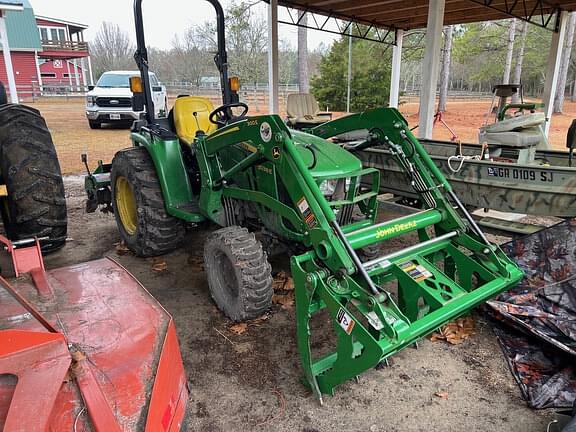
252,174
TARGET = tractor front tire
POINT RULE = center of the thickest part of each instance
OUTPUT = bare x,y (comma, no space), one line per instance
239,274
35,204
145,226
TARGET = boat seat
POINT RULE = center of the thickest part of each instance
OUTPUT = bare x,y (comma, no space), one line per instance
186,123
525,141
303,111
521,139
516,123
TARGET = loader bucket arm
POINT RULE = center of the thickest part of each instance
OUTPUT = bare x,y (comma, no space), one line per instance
452,269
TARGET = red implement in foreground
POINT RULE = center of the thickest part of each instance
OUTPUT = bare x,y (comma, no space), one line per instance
86,348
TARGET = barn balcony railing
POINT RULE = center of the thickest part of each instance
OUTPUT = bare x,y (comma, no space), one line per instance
64,45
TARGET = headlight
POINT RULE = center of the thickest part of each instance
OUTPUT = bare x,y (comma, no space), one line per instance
327,187
90,101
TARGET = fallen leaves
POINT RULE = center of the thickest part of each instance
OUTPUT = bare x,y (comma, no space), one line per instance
455,332
196,262
286,301
159,266
441,395
122,249
283,282
239,328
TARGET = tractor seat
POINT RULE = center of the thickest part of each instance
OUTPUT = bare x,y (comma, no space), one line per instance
186,123
303,111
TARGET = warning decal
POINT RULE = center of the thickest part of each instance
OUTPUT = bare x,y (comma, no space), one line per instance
345,321
304,208
416,272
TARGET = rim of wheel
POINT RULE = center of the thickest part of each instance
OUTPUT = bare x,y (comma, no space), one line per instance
126,205
226,273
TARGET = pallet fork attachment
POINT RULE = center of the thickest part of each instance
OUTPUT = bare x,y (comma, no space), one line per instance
390,302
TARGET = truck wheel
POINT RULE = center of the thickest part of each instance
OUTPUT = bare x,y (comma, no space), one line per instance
239,275
144,225
3,95
35,205
94,124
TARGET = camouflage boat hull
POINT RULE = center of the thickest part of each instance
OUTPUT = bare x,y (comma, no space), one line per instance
546,188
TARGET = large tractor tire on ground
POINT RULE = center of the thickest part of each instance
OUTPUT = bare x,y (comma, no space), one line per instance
3,95
144,225
239,274
35,205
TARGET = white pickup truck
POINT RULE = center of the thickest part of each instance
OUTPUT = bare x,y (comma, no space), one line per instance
110,101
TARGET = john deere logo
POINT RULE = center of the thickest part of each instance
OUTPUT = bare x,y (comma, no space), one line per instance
265,132
275,152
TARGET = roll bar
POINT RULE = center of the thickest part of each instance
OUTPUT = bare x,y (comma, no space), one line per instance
141,57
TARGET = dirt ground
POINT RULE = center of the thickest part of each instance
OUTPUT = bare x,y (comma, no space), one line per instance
72,136
251,382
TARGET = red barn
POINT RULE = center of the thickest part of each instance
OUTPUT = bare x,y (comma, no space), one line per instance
64,58
47,54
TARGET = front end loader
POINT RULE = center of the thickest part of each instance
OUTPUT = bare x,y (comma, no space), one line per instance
314,198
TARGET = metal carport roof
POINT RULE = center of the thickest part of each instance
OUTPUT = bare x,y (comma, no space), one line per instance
411,14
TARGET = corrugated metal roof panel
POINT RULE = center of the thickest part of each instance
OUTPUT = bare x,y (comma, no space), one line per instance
22,29
12,2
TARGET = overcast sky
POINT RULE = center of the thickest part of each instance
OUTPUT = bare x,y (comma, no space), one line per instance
162,18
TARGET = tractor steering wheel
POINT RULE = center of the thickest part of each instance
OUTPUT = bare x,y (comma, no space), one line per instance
222,115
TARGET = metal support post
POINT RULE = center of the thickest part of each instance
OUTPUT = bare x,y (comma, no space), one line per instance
396,64
431,66
553,68
273,57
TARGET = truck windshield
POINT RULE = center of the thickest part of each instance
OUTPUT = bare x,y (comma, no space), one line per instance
114,80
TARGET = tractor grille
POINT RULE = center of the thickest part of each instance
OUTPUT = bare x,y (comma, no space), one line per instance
112,102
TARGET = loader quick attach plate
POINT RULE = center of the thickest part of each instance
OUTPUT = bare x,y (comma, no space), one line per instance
127,338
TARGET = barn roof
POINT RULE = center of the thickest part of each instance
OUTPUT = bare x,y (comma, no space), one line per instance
21,27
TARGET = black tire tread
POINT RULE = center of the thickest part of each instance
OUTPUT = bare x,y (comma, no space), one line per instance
254,272
3,95
157,232
36,202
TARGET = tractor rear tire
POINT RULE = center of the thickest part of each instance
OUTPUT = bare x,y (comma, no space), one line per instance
145,226
3,95
239,274
35,205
